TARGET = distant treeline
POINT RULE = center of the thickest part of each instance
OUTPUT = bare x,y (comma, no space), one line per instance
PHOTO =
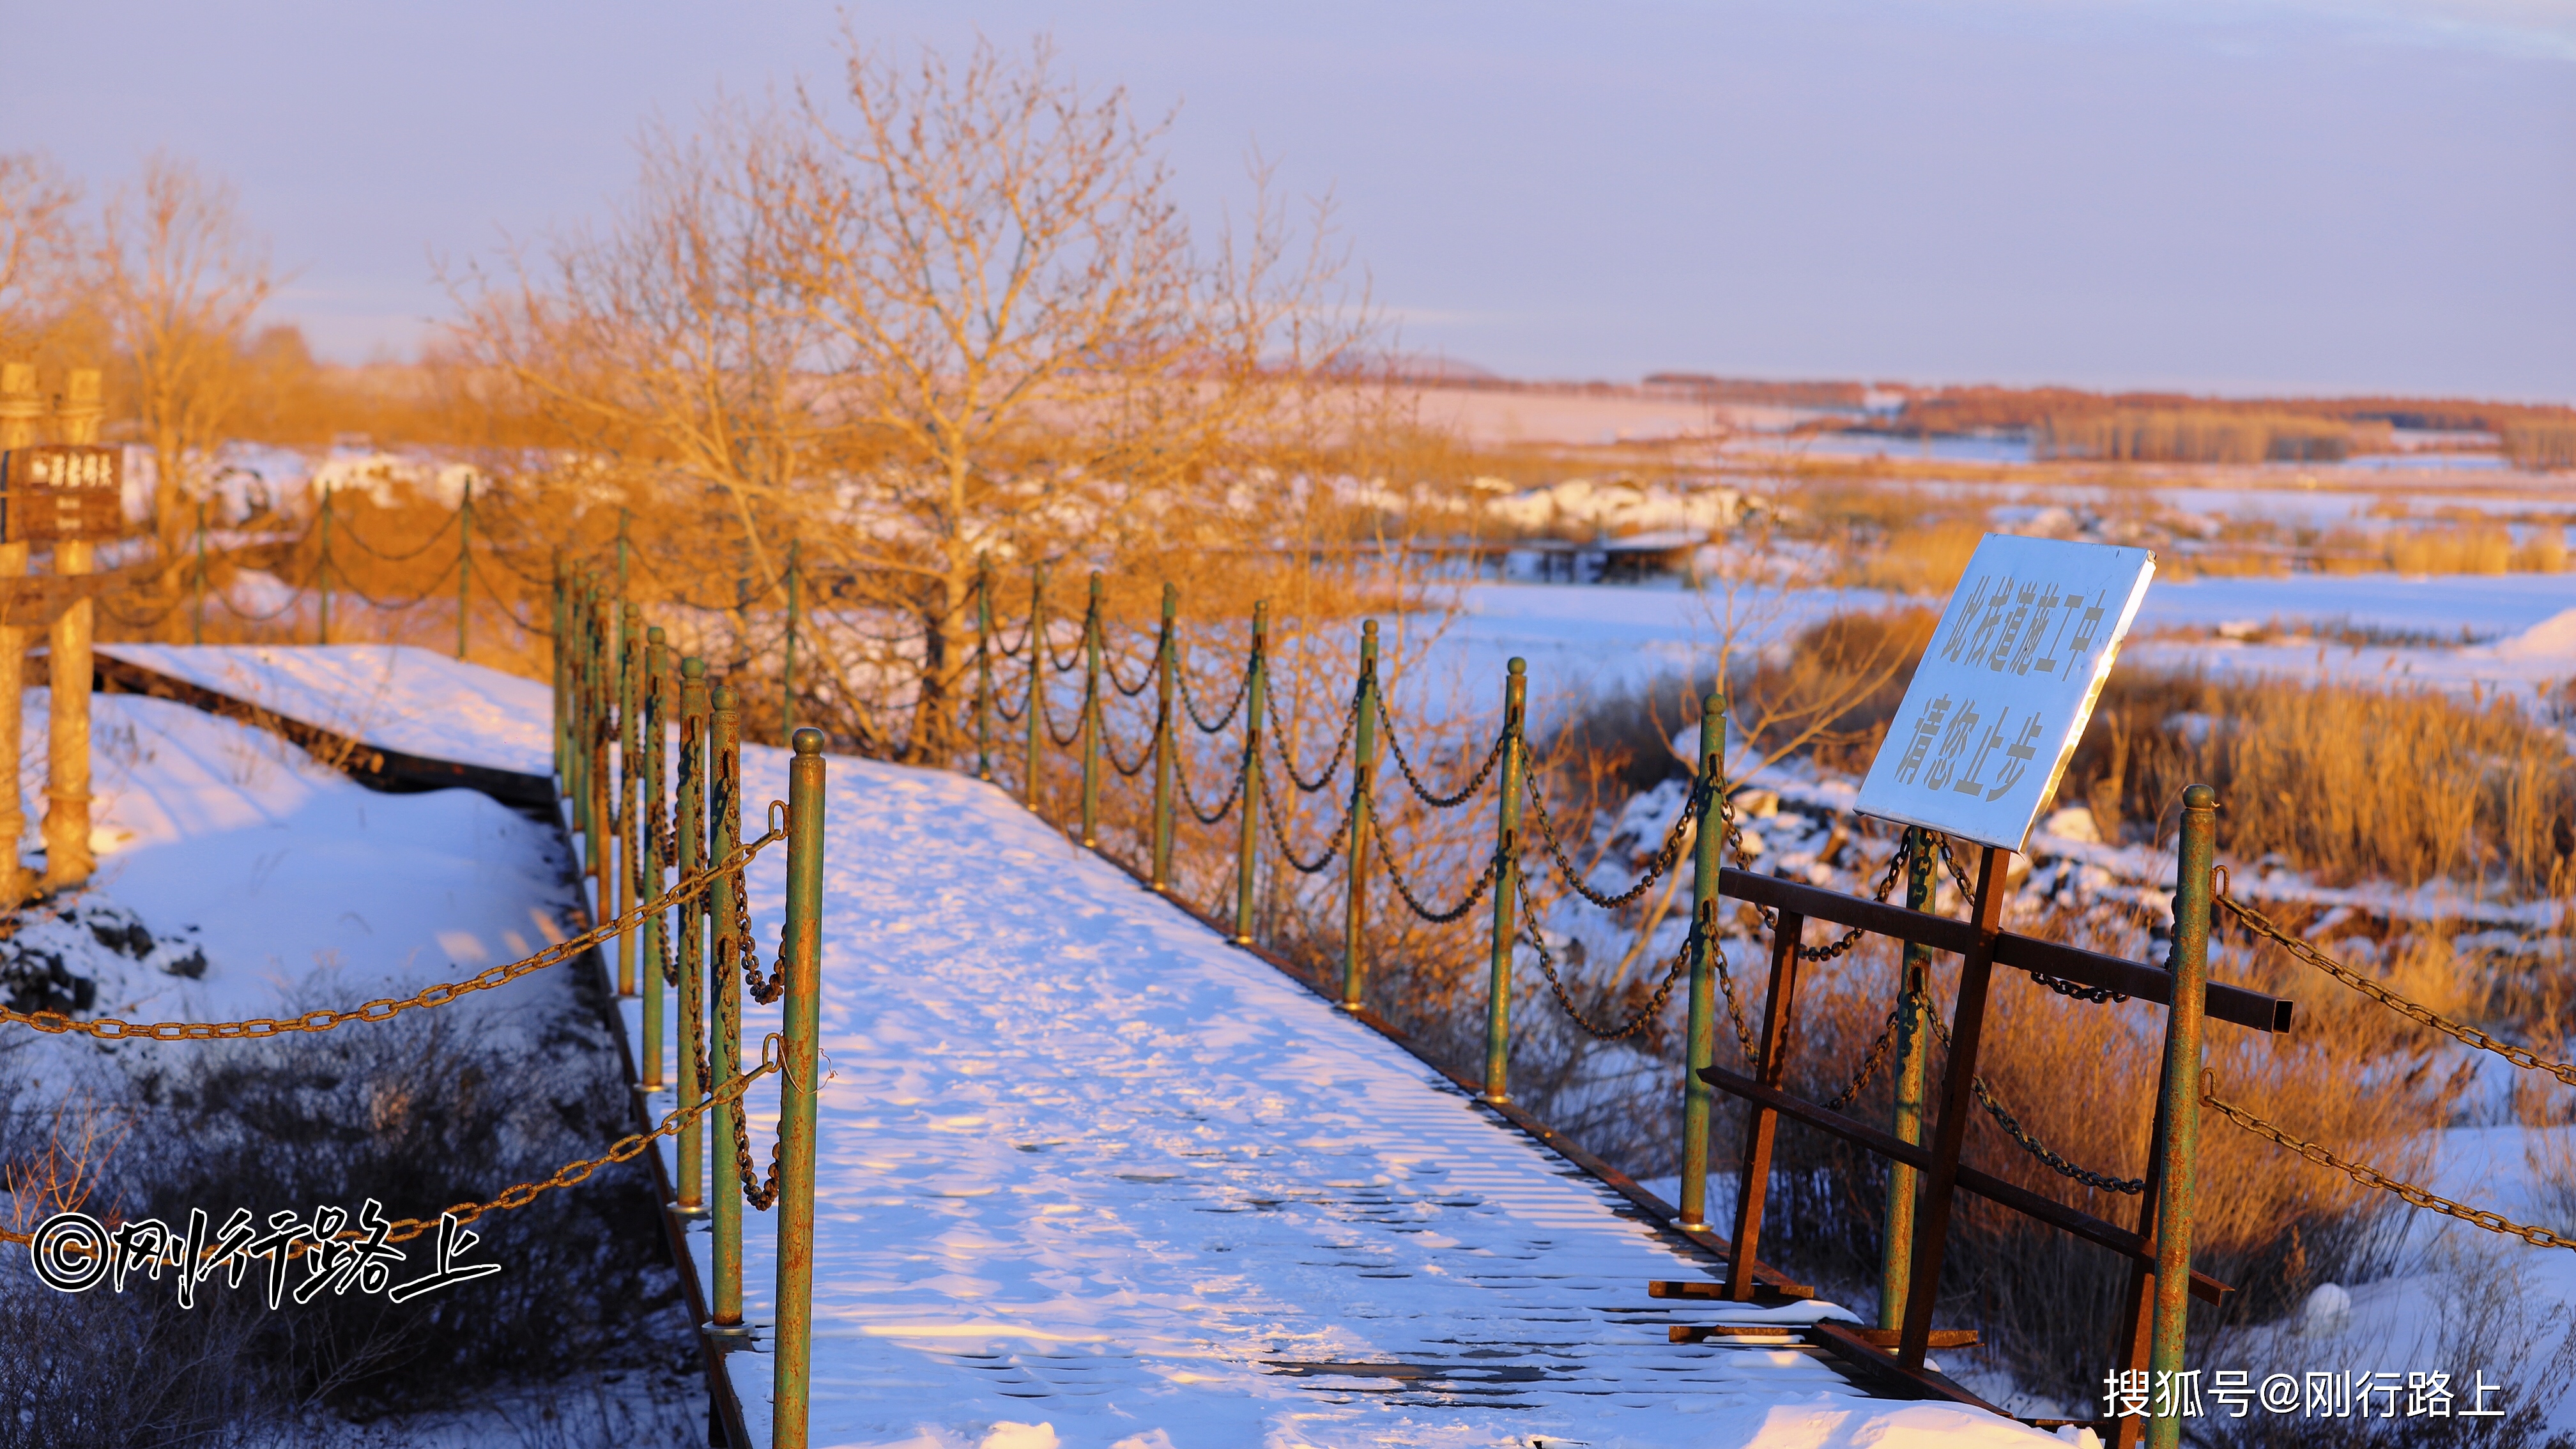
1759,393
2541,443
1972,409
2195,435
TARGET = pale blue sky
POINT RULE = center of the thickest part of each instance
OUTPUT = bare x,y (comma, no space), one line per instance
2270,194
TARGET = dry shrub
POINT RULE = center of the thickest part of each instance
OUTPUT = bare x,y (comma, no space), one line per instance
2471,549
2345,782
1925,560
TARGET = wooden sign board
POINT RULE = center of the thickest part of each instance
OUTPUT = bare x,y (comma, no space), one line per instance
2006,686
61,491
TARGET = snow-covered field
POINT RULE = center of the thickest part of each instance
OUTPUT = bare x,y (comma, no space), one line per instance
1582,640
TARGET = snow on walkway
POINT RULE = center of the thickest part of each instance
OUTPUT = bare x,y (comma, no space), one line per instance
1090,1177
393,696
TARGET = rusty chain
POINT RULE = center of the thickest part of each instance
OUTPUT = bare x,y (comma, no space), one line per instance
1899,1027
1664,859
1144,757
1333,839
1646,1014
1395,746
2098,995
2263,925
1181,773
2371,1177
1242,691
2012,1127
112,1029
1341,746
626,1149
1386,859
1109,664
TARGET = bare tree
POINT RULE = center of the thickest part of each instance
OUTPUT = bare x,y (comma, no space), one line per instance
933,315
180,275
37,250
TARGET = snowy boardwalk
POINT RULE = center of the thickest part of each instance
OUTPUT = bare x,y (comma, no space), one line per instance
1091,1177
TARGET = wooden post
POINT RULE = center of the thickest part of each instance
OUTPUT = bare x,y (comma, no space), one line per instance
68,860
20,408
1754,1188
792,1350
1958,1099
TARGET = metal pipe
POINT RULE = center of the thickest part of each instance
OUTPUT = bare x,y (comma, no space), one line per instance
1248,836
691,828
555,649
787,671
1707,868
464,565
724,905
1167,653
1507,851
1092,628
2193,891
656,763
1896,1249
322,569
1037,689
983,667
630,675
792,1348
197,619
1363,783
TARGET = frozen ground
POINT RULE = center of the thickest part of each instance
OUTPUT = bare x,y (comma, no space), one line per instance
1583,640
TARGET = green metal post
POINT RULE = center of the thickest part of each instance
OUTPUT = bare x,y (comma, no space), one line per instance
1896,1252
630,677
983,668
652,738
464,565
197,622
2178,1172
1037,688
555,648
691,828
1707,863
792,1347
322,568
603,728
787,669
1248,835
577,675
1167,656
724,824
1363,783
1092,628
1507,852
